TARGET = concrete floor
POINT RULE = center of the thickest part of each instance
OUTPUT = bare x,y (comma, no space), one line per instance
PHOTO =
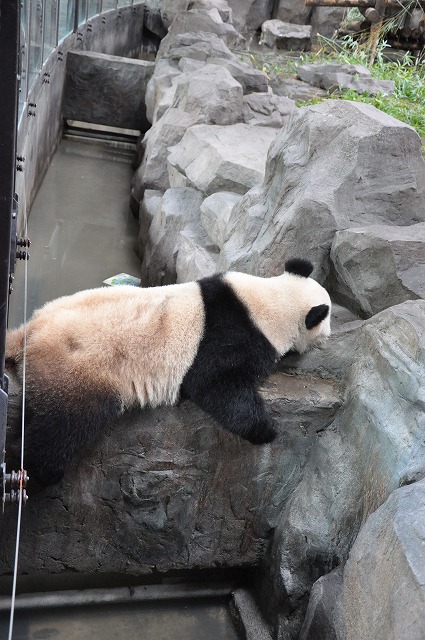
80,227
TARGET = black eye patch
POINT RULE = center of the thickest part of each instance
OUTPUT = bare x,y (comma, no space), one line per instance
316,315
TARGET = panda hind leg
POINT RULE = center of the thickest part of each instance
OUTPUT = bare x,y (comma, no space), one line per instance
58,434
236,405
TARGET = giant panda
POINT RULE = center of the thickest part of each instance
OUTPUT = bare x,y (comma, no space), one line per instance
91,355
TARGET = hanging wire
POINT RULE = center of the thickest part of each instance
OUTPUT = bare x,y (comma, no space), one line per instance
18,528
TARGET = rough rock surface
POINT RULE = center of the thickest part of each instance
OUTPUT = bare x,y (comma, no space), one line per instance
211,93
374,445
215,214
334,166
197,22
165,489
323,20
167,131
378,266
229,158
383,569
105,89
177,209
321,621
344,76
284,35
267,110
380,592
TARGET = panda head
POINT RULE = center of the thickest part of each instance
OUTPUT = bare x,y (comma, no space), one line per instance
292,310
311,301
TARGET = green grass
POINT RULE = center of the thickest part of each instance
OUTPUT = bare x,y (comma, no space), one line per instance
407,103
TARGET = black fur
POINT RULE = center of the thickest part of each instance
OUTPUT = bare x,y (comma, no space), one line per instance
57,430
299,267
316,315
233,358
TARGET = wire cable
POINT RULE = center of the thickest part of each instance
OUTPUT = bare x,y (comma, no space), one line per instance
18,528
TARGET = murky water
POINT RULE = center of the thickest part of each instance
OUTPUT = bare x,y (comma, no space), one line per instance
80,226
82,233
160,621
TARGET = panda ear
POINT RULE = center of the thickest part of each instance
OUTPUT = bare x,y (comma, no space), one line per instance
299,267
316,315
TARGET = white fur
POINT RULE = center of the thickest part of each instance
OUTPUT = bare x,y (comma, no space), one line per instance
278,306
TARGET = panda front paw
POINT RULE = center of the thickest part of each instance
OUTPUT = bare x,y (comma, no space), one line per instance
261,434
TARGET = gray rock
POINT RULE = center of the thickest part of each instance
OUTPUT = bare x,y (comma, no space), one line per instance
178,208
210,93
284,35
196,254
195,22
252,80
322,620
215,158
335,165
160,89
215,215
167,490
169,130
374,445
267,110
325,21
283,85
197,46
379,266
293,11
108,90
208,48
313,73
148,207
247,617
383,592
220,5
248,15
333,77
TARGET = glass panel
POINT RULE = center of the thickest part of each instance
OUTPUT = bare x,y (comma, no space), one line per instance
50,21
23,55
123,3
94,8
66,17
82,11
36,39
109,4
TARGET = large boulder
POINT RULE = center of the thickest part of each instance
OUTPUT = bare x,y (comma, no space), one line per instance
323,20
285,35
167,490
211,93
160,89
248,15
267,110
177,209
221,158
374,445
378,266
383,591
196,22
167,131
335,165
215,214
380,592
334,76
